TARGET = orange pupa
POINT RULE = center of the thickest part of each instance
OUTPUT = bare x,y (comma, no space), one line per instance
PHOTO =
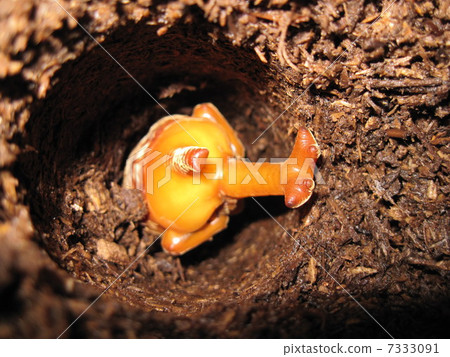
192,173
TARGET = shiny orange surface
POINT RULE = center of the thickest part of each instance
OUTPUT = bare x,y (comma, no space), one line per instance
189,166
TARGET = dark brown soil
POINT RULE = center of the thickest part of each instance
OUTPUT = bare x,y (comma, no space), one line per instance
368,256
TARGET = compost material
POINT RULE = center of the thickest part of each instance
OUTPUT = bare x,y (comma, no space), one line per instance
368,256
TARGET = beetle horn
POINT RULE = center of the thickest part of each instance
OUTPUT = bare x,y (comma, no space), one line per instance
188,159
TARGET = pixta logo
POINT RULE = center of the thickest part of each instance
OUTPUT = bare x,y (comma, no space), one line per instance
146,161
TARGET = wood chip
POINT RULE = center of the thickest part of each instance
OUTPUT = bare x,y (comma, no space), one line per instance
112,252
